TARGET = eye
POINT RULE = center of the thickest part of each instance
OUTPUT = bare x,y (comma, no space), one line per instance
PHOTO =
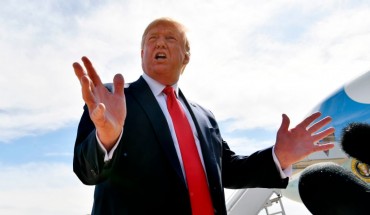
171,38
152,38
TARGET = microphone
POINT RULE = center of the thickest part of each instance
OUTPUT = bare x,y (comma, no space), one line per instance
356,141
327,188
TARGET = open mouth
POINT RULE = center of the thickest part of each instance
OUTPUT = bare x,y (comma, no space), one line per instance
159,56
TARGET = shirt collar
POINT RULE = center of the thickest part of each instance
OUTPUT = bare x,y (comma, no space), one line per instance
157,87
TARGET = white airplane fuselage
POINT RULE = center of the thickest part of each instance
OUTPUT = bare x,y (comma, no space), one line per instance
351,103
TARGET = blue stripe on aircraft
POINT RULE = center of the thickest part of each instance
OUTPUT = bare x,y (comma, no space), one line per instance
343,111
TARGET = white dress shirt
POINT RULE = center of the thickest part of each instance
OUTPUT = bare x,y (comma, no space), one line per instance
157,90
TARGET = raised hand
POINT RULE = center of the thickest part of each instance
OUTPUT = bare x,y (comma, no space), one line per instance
297,143
107,109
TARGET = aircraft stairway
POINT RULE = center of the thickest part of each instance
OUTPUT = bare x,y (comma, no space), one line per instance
255,201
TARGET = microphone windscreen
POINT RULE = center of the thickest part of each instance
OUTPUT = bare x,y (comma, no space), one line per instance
327,188
356,141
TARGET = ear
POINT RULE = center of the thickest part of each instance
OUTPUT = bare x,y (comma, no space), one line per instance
142,53
186,58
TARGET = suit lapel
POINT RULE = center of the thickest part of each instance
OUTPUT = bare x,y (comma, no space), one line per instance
146,99
204,135
144,96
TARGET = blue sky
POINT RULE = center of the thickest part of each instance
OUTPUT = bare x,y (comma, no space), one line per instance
54,146
250,62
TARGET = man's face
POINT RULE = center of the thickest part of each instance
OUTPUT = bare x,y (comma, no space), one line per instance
163,54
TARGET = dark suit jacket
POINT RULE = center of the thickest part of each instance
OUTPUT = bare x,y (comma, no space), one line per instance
144,175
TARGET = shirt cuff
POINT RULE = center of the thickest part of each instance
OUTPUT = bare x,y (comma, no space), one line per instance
284,173
108,155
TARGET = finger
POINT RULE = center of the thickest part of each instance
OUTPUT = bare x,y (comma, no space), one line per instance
315,127
87,93
323,147
79,71
91,71
119,83
321,135
284,123
306,122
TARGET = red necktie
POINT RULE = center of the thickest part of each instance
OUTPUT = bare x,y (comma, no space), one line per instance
200,199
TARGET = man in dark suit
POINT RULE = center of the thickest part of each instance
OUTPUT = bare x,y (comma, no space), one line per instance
128,143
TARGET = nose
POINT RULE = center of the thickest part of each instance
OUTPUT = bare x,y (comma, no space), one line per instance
160,43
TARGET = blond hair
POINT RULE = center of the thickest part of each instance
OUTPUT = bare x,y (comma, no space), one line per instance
180,27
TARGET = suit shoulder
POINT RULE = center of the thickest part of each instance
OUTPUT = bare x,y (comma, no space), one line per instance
205,111
110,86
200,107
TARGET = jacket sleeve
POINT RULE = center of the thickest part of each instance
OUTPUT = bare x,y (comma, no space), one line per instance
241,171
255,170
88,160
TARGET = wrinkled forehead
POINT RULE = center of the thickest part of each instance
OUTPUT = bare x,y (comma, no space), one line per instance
164,29
170,26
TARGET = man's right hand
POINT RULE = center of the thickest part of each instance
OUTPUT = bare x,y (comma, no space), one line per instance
107,109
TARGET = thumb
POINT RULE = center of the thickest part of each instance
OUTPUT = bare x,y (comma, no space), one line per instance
98,113
284,123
